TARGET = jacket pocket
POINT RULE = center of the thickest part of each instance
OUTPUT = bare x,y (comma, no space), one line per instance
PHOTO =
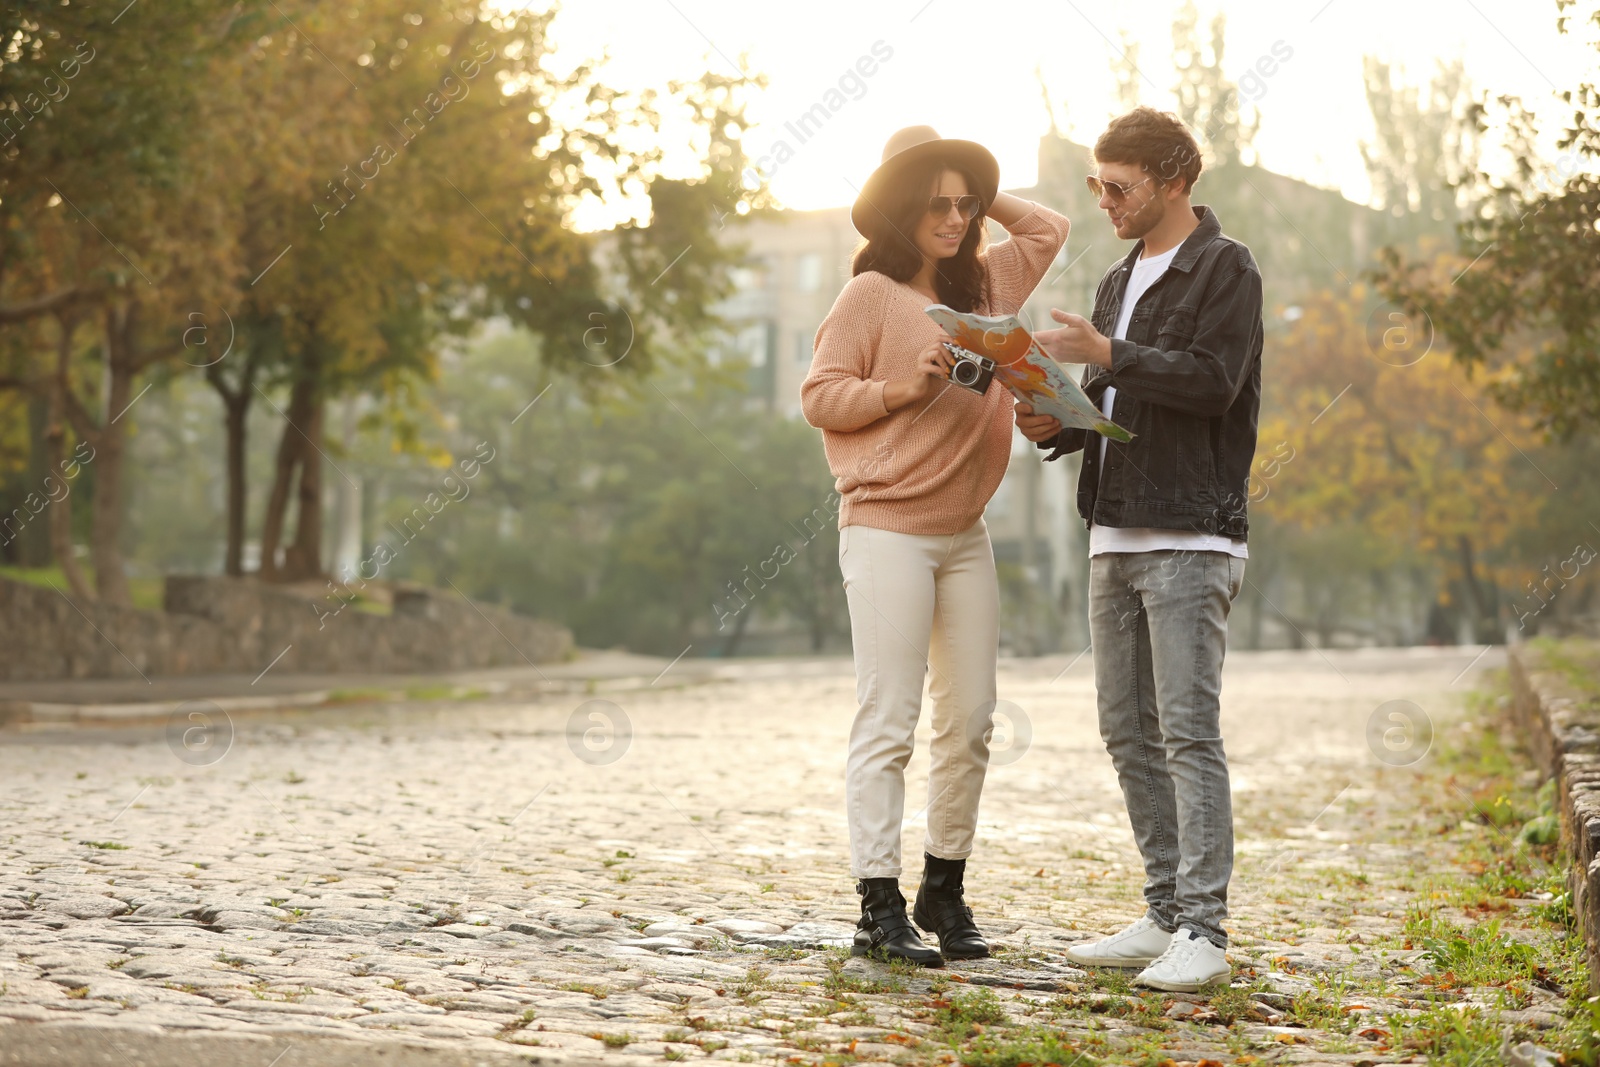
1177,329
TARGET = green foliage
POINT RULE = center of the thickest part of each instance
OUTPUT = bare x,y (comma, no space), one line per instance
652,517
1425,147
1518,299
339,193
1029,1047
1480,955
965,1014
1448,1035
147,592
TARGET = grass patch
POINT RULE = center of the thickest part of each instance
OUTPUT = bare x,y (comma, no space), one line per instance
840,985
966,1014
749,988
144,593
1030,1047
357,696
787,953
1472,937
598,992
521,1022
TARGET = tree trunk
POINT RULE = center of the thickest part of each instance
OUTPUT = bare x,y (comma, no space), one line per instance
60,522
303,558
1481,610
123,362
1297,637
730,647
1253,640
290,451
236,415
818,604
105,524
33,546
278,499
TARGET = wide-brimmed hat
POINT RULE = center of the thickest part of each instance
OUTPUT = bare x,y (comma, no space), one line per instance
908,147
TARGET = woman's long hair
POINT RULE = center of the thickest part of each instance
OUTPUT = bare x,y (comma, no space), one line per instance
962,281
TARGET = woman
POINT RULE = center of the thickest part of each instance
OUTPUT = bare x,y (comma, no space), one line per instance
916,458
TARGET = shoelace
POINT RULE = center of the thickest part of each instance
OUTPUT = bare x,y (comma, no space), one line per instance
1178,952
1133,931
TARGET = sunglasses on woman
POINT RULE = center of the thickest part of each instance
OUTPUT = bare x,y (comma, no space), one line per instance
969,206
1099,187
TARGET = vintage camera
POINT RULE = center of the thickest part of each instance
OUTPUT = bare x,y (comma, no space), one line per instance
971,371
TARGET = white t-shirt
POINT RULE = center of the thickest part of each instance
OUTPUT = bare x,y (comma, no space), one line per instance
1103,539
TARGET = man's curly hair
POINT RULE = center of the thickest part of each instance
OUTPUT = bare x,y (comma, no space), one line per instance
1156,141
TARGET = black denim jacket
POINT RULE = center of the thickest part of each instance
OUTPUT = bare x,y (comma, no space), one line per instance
1188,381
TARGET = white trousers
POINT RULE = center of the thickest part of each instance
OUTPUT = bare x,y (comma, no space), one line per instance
916,602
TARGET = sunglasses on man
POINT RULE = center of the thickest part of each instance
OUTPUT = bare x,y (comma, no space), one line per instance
1116,190
969,206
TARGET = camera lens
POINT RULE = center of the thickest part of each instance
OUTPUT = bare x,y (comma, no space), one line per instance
965,372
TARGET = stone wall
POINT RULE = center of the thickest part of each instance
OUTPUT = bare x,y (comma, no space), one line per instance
1556,703
215,625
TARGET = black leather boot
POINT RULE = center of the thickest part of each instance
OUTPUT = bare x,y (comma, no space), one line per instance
884,932
941,910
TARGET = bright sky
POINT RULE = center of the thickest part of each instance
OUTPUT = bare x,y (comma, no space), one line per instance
969,69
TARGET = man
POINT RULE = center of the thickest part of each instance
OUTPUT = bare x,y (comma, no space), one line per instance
1174,356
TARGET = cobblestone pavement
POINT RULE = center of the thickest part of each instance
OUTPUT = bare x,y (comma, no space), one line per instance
479,881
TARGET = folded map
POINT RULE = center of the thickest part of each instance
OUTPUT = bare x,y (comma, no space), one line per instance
1022,367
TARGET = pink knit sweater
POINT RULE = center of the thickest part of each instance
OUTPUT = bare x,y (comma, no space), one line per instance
931,466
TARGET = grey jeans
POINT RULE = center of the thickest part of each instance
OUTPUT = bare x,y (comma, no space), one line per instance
1158,623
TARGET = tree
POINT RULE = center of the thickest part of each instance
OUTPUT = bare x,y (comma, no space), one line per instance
1391,448
1425,149
655,516
118,233
1523,300
1125,69
1208,101
459,211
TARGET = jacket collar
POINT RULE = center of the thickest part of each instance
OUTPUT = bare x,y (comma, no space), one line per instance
1192,245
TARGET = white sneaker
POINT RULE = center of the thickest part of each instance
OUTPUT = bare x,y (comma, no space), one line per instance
1137,946
1189,963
